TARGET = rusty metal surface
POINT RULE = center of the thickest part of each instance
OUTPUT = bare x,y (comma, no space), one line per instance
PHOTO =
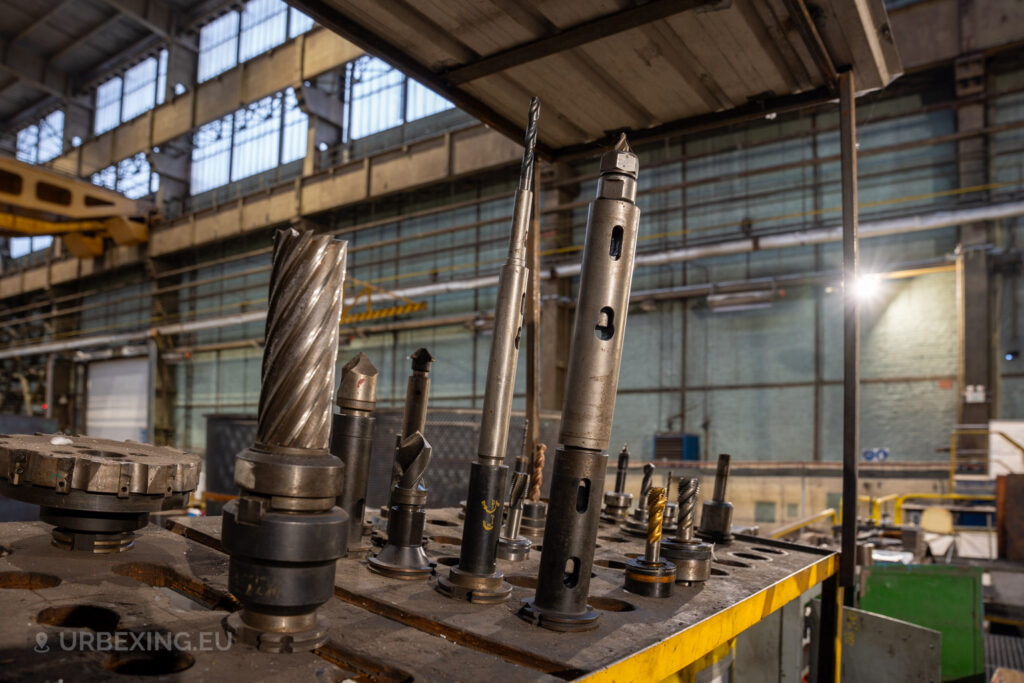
630,623
173,584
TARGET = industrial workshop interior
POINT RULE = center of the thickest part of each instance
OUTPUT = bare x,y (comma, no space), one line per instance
398,341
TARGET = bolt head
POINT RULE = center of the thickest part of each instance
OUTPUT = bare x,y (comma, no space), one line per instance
620,162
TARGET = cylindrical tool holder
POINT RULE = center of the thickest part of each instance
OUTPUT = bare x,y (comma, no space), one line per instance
592,380
567,558
352,443
483,513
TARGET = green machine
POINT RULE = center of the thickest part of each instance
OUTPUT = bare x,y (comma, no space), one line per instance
940,597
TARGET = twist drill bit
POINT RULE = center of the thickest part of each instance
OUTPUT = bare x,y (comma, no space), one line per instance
537,471
650,575
617,502
284,533
534,510
476,577
403,556
578,475
352,441
691,557
716,516
512,546
646,483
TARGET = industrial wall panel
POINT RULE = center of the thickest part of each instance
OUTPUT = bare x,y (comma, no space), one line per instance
117,399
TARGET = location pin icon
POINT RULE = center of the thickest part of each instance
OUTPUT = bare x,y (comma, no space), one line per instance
41,639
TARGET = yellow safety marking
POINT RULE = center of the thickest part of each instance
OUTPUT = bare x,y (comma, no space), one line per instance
489,521
682,649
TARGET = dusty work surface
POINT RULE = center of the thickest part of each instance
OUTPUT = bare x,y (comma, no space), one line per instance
745,569
175,587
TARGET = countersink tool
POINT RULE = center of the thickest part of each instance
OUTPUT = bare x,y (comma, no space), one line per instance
403,556
636,522
352,441
618,502
691,557
716,515
284,533
577,484
512,546
650,575
476,577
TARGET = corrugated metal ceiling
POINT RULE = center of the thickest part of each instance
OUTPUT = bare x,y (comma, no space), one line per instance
603,66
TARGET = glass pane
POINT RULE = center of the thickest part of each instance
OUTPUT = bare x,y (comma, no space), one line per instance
257,137
422,101
51,136
133,176
293,146
20,246
106,177
161,78
28,144
211,156
139,89
375,101
263,27
218,46
299,23
108,106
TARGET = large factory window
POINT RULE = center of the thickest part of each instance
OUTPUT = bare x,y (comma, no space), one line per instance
19,246
254,139
380,97
41,141
132,177
235,36
141,88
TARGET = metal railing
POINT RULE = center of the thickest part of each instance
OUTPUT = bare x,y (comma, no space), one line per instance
973,459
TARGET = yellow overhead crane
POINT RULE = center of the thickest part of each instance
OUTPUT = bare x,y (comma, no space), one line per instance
35,200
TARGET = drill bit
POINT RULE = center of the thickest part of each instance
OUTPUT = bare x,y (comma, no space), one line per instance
622,469
476,577
645,485
537,472
411,460
656,501
512,546
691,557
688,489
352,440
716,516
617,501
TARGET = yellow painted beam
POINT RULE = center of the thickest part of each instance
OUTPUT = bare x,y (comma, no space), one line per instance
23,225
672,654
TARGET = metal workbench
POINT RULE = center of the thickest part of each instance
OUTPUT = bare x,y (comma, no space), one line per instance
381,629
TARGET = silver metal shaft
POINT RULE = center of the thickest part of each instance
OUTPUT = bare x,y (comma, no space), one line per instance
417,392
721,477
645,485
301,341
622,470
508,315
516,497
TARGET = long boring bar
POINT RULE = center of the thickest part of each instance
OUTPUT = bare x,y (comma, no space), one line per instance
352,441
577,483
476,577
284,533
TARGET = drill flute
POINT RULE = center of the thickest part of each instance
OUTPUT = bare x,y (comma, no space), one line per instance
476,577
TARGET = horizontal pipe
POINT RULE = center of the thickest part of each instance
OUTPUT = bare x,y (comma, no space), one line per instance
880,228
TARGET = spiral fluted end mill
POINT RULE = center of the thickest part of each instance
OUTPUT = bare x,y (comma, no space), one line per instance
636,522
284,533
403,556
617,501
578,475
512,546
301,341
650,575
476,577
688,489
716,516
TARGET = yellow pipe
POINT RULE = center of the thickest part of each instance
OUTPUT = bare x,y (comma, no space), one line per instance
897,516
876,506
797,526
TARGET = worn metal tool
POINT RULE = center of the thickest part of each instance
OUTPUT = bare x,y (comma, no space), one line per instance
352,441
535,511
577,484
95,492
285,532
476,576
403,556
512,546
691,557
636,522
618,502
716,515
650,575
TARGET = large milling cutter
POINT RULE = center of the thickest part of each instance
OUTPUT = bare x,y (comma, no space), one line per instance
285,532
352,441
691,557
577,486
476,577
403,557
95,492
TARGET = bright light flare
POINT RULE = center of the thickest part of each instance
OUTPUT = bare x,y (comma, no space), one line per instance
868,286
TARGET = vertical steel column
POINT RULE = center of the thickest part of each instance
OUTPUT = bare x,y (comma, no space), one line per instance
851,336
